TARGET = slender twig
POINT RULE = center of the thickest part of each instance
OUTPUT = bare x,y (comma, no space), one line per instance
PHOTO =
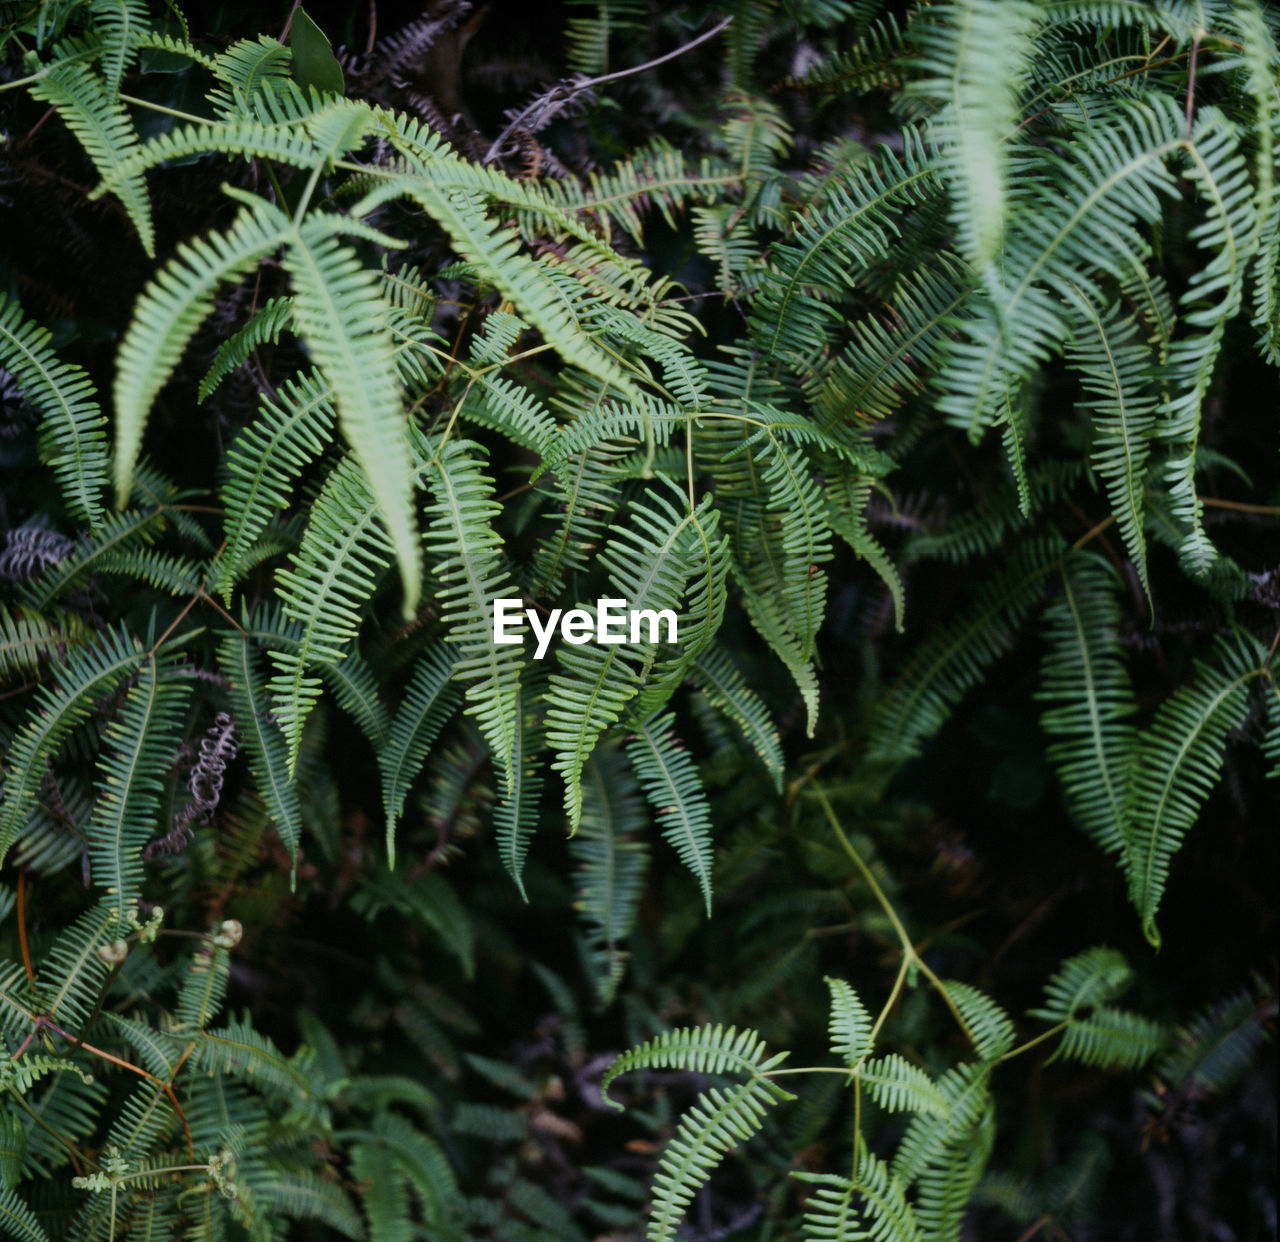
587,83
22,925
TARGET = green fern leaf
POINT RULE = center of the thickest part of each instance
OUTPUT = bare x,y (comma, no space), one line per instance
427,704
975,55
850,1024
670,782
137,749
268,753
465,553
341,316
1179,759
1082,982
168,313
72,440
1084,678
714,673
104,129
611,864
89,672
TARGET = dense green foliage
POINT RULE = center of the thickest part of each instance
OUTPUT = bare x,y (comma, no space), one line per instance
911,356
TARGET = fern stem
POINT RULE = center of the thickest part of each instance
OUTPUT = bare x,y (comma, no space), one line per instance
173,112
908,947
1031,1043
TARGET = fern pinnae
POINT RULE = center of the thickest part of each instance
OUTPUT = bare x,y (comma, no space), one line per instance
720,1120
1217,168
341,315
1179,759
427,703
272,318
515,818
1084,678
106,132
1115,370
611,863
465,551
268,753
975,55
597,682
714,673
671,784
89,671
138,747
73,442
119,23
265,460
169,311
334,572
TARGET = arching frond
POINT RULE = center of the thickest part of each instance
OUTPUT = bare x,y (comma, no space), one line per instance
73,443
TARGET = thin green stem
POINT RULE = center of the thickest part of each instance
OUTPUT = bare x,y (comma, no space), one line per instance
174,112
908,948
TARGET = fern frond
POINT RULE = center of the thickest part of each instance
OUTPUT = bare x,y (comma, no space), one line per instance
897,1086
1179,759
427,704
1082,982
29,638
465,553
1084,677
262,738
950,662
1112,1039
714,673
137,749
719,1121
1219,1045
1112,184
119,23
850,1024
1216,167
169,311
104,129
611,864
496,251
647,567
945,1188
341,316
834,243
697,1050
265,460
515,818
89,671
334,573
73,971
1116,369
871,1209
975,55
72,440
19,1221
670,782
987,1025
272,318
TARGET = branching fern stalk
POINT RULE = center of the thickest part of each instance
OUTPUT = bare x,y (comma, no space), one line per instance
1046,277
